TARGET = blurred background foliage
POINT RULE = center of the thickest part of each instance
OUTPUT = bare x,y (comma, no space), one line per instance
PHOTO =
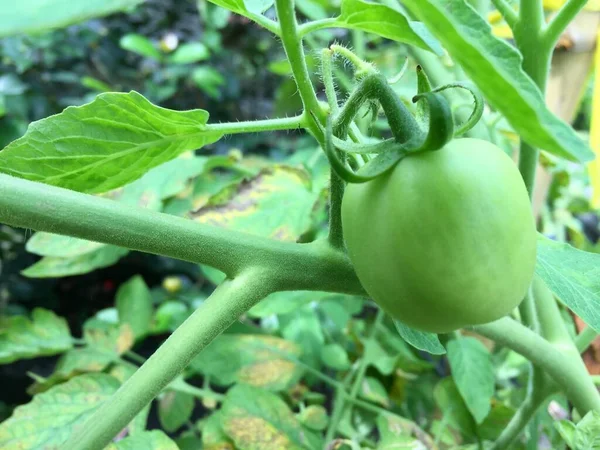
183,54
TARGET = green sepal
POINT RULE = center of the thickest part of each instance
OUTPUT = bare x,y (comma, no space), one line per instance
441,123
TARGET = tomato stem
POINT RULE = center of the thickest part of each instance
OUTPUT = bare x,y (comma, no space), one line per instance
229,301
41,207
565,368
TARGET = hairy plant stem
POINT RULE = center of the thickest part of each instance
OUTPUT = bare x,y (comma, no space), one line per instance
316,25
566,369
313,266
292,45
229,301
539,310
257,126
337,185
551,327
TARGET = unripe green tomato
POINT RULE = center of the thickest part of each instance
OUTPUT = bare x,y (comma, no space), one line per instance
444,240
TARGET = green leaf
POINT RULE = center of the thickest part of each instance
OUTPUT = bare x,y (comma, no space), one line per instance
50,267
189,53
21,338
277,204
34,16
495,66
453,408
290,301
141,45
104,144
49,419
473,373
252,359
397,433
75,362
377,357
134,303
174,410
257,419
304,328
573,275
387,21
334,356
213,435
208,80
169,315
112,338
371,389
585,435
148,440
427,342
404,356
246,8
55,245
314,417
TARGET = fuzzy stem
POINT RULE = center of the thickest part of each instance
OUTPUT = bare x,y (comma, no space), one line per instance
566,369
229,301
257,126
292,44
313,266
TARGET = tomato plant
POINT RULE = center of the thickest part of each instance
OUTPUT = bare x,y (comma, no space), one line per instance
421,208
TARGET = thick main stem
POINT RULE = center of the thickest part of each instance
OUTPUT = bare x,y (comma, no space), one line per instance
229,301
313,266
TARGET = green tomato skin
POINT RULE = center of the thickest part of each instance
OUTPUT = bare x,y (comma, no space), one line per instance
446,239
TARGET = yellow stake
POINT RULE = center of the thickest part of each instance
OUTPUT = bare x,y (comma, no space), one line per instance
594,166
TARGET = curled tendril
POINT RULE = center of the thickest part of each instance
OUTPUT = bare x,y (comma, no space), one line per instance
400,74
477,109
434,114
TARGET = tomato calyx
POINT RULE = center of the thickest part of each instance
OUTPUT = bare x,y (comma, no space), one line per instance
429,130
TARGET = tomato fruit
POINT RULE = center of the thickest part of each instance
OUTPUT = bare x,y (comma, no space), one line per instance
444,240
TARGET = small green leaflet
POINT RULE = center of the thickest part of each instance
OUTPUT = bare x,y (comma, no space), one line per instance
255,418
427,342
22,338
398,433
573,275
495,67
246,8
277,203
174,410
386,21
583,435
473,374
49,419
134,303
104,144
262,361
50,267
33,16
148,440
